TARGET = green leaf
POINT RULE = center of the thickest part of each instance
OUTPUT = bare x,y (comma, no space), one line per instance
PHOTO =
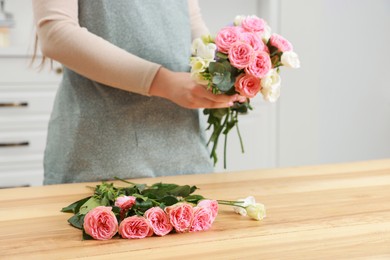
144,198
169,200
194,198
181,191
142,206
222,55
91,203
77,220
75,206
193,188
86,236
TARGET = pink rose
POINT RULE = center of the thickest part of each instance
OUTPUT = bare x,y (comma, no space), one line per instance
260,66
253,40
202,220
158,220
124,203
211,204
135,227
253,24
241,55
180,216
226,37
101,223
280,42
247,85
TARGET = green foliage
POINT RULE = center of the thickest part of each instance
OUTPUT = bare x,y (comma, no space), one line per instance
222,120
105,194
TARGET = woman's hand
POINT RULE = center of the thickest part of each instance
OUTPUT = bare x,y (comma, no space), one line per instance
179,88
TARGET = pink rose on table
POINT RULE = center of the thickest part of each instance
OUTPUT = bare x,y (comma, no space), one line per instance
101,223
280,42
158,220
247,85
253,24
125,202
241,55
202,220
226,37
212,205
260,66
135,227
180,216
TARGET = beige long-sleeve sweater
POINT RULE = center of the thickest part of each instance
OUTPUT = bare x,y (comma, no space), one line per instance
61,38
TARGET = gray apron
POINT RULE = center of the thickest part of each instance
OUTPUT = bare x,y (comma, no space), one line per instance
97,132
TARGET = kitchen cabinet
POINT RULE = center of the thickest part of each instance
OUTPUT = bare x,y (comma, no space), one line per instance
26,97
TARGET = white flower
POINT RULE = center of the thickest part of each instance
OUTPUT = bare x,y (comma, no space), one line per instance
290,59
249,207
256,211
198,78
195,45
238,20
198,64
245,203
270,86
272,93
202,50
267,34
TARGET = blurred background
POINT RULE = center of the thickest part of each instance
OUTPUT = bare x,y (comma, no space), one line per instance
335,108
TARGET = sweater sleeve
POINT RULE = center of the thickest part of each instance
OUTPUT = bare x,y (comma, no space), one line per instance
198,26
62,39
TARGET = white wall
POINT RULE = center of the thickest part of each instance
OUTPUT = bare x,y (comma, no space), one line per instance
336,108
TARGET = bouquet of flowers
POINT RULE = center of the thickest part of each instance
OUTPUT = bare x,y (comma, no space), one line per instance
245,59
139,210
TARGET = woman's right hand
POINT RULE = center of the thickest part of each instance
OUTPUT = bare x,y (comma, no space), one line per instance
179,88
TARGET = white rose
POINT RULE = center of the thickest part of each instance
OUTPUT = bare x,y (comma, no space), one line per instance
290,59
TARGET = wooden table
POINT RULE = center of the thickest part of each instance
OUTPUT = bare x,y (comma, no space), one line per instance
339,211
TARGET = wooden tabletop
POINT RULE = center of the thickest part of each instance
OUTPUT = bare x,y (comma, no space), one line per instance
339,211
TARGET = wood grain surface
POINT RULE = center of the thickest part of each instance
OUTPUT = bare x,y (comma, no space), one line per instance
338,211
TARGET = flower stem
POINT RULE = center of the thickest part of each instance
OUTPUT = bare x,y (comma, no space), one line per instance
120,179
239,134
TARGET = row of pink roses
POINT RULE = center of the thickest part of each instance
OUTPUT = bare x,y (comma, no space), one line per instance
102,224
